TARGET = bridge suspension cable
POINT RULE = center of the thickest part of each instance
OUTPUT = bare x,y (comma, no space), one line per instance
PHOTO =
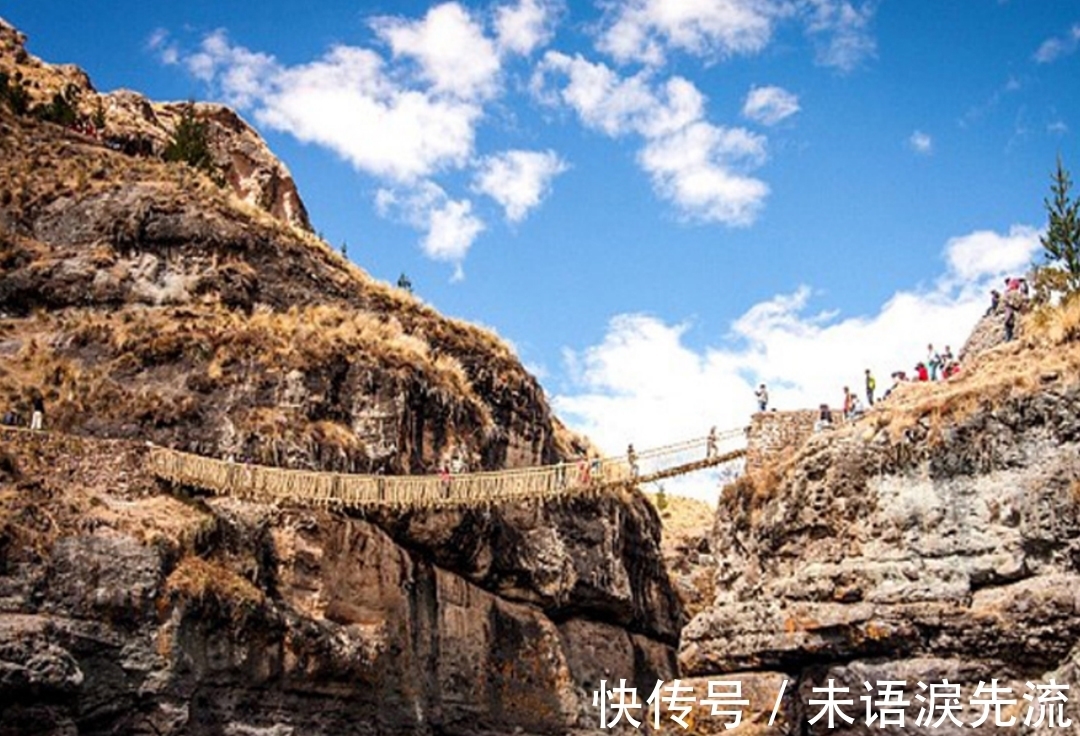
271,484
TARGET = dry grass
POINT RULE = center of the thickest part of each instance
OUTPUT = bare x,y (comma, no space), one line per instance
683,517
1048,353
200,580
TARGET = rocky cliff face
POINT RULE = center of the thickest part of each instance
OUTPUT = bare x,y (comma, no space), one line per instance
131,611
139,126
939,547
144,301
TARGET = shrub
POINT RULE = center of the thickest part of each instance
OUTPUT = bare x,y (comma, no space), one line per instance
62,110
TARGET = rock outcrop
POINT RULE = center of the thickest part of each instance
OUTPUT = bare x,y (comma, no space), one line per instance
143,301
124,609
147,302
138,126
946,549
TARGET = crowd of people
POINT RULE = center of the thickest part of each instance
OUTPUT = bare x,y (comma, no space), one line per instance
938,364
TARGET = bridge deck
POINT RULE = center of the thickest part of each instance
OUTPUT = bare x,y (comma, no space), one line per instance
270,484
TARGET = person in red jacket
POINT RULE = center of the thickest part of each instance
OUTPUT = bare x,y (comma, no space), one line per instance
921,371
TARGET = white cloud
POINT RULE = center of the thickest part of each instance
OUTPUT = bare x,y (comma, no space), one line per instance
526,26
841,31
643,384
450,46
984,253
449,225
920,142
602,99
452,232
770,105
161,44
1055,48
647,31
694,168
348,102
1057,127
402,117
643,30
698,166
518,180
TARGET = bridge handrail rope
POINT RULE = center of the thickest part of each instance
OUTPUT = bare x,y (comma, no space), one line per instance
266,483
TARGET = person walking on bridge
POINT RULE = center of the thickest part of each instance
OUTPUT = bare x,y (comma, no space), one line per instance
710,444
631,460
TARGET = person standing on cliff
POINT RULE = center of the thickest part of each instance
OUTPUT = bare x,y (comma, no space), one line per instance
1010,322
933,362
37,419
871,384
762,395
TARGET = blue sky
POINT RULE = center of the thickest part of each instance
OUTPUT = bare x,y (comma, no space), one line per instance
659,202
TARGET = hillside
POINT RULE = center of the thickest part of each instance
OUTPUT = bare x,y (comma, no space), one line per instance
934,539
147,302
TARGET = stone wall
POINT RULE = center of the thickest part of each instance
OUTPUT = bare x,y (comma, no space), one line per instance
775,434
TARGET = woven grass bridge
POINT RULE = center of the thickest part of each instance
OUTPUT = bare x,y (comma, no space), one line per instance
269,484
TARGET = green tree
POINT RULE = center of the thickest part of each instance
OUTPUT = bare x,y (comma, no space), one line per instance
191,142
1061,243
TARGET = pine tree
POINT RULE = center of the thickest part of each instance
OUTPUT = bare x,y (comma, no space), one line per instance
191,142
1061,243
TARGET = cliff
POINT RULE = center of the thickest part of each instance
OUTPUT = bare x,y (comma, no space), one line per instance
129,608
144,301
933,540
132,123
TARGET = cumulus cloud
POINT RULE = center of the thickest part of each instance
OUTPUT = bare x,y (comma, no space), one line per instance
700,167
695,168
346,101
405,114
644,30
644,384
920,142
769,105
525,27
984,253
1057,47
840,31
647,31
518,180
450,226
164,47
449,45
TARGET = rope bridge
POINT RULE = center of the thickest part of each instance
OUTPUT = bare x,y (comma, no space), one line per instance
270,484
